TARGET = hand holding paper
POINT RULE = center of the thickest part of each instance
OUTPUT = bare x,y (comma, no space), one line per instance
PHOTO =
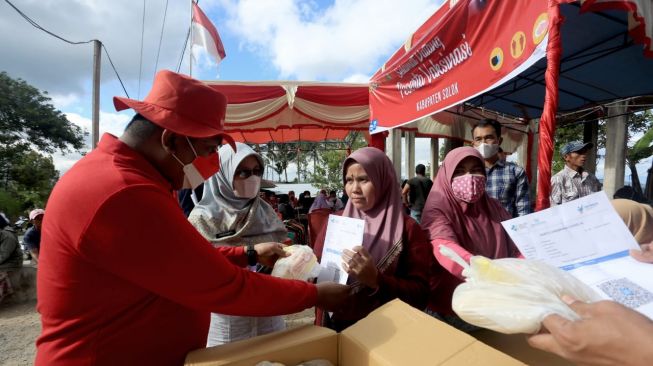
342,233
359,263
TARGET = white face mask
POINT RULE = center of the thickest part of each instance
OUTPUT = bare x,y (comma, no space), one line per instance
198,170
487,150
247,188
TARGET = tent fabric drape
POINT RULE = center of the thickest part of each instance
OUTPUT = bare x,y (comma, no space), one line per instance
260,112
548,120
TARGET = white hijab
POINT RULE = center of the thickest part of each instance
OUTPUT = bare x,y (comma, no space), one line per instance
224,219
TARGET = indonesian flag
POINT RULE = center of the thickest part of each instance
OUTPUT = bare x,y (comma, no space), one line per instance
205,35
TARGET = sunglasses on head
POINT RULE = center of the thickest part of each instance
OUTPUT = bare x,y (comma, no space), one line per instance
246,173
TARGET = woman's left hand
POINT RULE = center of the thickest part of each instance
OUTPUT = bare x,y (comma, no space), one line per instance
268,253
359,263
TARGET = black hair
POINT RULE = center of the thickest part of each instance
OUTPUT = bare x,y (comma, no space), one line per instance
3,221
141,128
489,122
332,192
420,169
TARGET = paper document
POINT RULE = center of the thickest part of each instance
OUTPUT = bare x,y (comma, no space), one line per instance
588,238
342,233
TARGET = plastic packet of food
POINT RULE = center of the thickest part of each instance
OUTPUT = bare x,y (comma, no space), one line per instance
512,295
300,265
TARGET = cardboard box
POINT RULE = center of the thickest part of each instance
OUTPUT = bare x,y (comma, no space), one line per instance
395,334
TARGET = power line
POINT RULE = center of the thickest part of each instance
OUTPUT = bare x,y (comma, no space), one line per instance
183,50
156,63
140,66
114,69
39,27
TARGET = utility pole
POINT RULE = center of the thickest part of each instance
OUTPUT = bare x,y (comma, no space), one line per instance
95,127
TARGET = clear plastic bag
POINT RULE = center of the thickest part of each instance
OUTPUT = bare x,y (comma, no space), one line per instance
513,295
300,265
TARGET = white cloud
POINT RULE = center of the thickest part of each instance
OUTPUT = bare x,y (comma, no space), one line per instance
63,101
113,123
65,70
308,43
356,78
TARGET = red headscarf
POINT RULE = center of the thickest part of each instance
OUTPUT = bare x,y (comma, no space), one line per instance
384,223
474,226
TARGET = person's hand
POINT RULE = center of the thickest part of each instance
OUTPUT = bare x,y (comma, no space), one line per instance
607,334
332,296
268,253
645,255
359,263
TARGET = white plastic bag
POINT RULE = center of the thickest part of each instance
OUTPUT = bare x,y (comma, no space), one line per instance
300,265
513,295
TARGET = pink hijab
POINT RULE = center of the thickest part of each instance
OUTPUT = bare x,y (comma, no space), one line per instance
474,226
384,223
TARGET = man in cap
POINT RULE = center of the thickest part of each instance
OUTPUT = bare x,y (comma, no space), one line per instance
573,181
124,278
32,238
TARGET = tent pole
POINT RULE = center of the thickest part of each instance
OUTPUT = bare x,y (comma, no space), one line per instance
548,120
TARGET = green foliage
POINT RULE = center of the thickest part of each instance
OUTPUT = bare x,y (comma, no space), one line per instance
317,162
328,171
30,126
637,123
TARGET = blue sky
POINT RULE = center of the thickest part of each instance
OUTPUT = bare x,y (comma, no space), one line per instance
343,40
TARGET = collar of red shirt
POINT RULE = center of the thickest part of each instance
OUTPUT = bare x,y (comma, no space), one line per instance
111,145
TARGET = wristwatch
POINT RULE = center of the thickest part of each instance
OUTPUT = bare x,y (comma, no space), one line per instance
252,256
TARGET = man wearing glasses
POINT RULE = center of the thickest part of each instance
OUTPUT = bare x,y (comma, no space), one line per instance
124,278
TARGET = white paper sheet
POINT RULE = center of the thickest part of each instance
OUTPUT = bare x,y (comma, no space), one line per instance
588,238
342,233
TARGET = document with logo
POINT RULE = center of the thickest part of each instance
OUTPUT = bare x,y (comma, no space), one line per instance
588,238
342,233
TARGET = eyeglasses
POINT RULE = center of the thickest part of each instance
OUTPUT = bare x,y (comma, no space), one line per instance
246,173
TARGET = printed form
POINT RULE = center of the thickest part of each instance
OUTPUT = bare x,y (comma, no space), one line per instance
342,233
587,238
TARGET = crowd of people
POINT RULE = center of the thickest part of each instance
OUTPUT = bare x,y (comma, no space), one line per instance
127,276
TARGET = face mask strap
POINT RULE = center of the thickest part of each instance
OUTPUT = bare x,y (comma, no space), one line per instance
191,146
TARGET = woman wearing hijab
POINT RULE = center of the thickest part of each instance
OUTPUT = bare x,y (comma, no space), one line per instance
458,214
394,260
321,201
231,213
638,217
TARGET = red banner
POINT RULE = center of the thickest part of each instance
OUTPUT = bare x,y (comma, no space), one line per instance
473,47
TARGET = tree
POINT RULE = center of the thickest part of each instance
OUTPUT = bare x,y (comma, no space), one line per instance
642,149
328,171
279,155
328,167
639,122
30,126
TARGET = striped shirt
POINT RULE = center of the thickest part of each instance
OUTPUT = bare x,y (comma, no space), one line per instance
568,185
507,183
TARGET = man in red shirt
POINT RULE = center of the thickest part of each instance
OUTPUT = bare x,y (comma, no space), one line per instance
123,277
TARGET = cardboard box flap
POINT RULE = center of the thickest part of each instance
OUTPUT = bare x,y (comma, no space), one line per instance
398,334
290,347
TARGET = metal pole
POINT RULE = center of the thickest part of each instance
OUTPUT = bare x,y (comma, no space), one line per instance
95,127
190,48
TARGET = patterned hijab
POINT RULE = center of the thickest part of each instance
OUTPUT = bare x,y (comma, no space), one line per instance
474,226
223,218
384,223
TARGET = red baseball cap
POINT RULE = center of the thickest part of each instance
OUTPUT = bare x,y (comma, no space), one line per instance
182,105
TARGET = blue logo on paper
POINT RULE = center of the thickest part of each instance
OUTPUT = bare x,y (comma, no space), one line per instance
588,206
373,125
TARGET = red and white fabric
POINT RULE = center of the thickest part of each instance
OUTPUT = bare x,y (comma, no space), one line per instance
205,35
260,112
